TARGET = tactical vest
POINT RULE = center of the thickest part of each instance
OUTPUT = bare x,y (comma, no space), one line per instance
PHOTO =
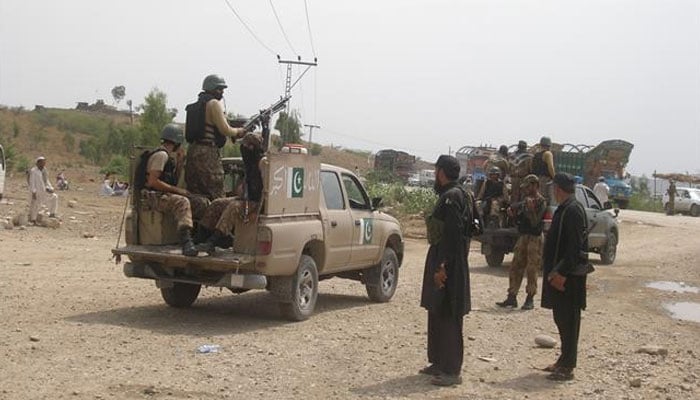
493,189
196,128
539,167
526,227
169,174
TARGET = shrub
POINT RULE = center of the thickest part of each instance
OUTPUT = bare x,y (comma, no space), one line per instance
642,202
22,164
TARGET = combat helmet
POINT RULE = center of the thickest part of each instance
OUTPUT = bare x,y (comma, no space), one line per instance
172,133
213,82
546,141
495,171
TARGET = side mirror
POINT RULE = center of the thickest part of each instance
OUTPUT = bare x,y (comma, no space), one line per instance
617,212
376,202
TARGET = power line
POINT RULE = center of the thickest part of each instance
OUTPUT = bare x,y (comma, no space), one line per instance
279,23
308,24
233,10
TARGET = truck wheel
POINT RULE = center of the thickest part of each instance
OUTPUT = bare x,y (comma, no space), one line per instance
495,259
609,252
180,295
299,301
382,279
695,210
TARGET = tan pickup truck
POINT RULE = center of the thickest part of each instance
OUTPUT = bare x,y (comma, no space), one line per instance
316,222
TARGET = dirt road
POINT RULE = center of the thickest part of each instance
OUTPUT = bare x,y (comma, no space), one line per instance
73,327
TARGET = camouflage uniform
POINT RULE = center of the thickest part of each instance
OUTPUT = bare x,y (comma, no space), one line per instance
178,206
199,205
214,212
204,173
527,256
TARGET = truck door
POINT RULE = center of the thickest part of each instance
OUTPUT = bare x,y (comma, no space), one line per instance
596,223
365,244
337,222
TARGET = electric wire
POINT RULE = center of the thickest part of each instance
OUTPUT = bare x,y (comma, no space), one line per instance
233,10
284,33
308,24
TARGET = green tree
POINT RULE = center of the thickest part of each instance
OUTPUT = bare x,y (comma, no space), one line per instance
118,93
289,127
155,116
117,165
316,149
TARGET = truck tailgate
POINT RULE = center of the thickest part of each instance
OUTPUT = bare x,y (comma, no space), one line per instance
171,256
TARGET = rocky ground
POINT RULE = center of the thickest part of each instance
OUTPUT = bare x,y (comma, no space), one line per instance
73,327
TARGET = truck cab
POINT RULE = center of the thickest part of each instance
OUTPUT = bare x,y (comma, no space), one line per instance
316,222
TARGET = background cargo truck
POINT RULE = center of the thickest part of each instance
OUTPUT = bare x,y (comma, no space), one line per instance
316,222
608,159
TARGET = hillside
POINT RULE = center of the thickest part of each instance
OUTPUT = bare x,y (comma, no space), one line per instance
58,134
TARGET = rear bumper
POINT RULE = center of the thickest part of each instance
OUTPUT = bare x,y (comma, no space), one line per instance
231,280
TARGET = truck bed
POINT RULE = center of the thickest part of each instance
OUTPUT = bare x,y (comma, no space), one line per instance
224,260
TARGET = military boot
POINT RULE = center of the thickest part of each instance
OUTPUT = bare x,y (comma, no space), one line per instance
210,244
510,301
529,304
188,248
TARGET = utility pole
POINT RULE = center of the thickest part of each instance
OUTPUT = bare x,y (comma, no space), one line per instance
311,131
288,85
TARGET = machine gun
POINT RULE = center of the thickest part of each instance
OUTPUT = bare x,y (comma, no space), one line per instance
263,119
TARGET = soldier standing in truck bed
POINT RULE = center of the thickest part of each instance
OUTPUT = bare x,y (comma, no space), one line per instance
204,173
543,166
520,167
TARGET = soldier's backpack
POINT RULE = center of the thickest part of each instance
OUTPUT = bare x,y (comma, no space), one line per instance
139,181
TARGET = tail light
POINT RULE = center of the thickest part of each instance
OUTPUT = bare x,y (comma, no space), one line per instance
547,218
264,241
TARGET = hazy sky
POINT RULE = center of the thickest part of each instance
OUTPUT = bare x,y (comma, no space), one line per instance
421,76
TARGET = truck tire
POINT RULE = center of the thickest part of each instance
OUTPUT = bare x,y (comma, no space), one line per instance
495,258
298,293
180,295
695,210
609,251
382,279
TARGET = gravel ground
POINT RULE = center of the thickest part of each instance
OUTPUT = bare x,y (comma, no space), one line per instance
73,327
